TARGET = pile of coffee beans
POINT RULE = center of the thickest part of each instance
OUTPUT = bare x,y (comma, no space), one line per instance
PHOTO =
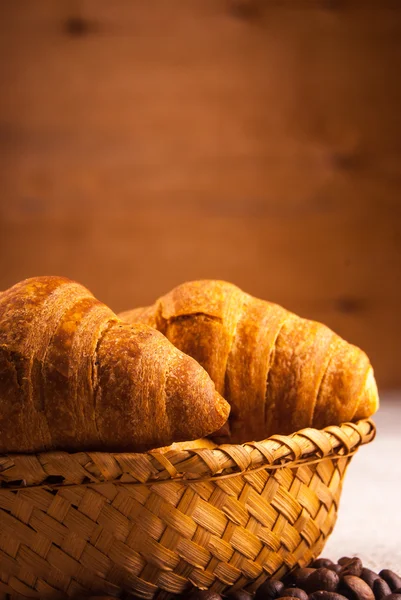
347,579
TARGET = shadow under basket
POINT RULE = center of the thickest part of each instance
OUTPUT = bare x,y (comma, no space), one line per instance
158,523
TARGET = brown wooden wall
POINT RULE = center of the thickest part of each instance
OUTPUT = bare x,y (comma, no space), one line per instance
147,143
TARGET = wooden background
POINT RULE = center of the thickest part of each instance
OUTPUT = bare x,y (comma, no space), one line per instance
147,143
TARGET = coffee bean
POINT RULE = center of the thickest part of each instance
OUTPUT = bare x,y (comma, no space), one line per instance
288,580
356,588
391,578
205,595
301,575
322,562
294,593
240,595
336,568
343,560
369,576
353,567
322,580
271,588
321,595
381,589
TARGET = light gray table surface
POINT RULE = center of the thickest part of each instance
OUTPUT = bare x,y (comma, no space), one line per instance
369,519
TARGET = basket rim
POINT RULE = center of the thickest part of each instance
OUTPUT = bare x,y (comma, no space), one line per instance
190,465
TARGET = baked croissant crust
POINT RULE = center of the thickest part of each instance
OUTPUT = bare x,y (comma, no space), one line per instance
73,376
279,372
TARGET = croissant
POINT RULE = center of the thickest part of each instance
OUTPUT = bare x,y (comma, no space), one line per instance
73,376
279,372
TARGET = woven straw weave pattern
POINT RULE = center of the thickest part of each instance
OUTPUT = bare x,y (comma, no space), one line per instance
155,524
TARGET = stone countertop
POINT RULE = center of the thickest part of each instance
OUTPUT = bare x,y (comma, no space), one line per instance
369,520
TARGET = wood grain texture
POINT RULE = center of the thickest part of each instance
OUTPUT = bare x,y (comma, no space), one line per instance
145,144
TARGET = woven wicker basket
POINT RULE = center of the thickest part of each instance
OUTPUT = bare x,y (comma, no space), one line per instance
75,525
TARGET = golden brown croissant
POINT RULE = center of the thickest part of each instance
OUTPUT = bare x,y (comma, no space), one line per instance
279,372
73,376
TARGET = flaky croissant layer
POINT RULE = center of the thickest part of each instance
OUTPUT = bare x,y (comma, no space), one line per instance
73,376
279,372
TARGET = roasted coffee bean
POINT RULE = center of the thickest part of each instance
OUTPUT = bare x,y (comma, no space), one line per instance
240,595
322,595
336,568
343,560
369,576
322,580
205,595
356,588
353,567
322,562
294,593
381,588
301,575
271,588
288,580
391,578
